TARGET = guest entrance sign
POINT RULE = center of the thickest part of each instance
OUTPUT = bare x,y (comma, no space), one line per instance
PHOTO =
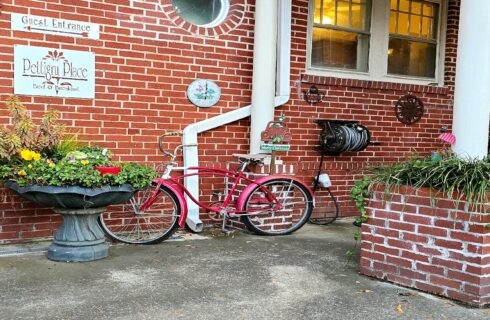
48,72
60,27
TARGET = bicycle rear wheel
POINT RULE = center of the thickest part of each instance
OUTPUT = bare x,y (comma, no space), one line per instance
296,201
326,209
127,223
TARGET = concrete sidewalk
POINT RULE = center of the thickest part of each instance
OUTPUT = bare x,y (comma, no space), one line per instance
302,276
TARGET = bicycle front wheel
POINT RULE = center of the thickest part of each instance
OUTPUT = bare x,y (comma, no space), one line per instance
296,202
326,209
129,224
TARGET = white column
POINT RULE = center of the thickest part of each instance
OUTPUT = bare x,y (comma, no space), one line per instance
264,69
472,92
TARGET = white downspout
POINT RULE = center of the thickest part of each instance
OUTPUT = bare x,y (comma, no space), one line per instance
264,69
283,89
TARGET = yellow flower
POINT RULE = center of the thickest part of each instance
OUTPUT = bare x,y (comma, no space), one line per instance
29,155
30,166
50,163
22,173
84,162
26,154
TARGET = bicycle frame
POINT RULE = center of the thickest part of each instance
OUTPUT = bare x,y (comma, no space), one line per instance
180,190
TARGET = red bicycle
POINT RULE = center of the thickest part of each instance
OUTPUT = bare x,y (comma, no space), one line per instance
269,205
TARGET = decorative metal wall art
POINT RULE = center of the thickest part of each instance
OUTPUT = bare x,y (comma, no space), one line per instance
313,95
409,109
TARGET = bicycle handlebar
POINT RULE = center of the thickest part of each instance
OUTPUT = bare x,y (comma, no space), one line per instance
167,134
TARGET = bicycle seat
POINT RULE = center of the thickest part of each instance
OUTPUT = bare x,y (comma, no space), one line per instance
251,158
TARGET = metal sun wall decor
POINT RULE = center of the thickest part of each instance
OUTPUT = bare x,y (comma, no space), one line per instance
409,109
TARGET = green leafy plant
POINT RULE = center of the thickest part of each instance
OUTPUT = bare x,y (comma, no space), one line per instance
78,173
24,134
360,195
468,179
45,154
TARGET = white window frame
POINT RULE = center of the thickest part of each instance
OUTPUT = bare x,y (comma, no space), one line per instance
378,49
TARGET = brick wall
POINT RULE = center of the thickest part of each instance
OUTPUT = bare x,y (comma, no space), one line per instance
145,59
422,240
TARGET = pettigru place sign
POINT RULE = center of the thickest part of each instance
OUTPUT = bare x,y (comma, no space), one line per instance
60,27
40,71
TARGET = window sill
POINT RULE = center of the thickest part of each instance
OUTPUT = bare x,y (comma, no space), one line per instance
391,84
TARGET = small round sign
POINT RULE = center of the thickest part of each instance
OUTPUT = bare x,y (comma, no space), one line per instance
203,93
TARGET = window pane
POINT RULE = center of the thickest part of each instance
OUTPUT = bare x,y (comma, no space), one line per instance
392,22
415,26
394,5
318,13
416,7
359,20
428,9
339,49
403,23
199,12
328,16
404,5
426,28
343,14
411,58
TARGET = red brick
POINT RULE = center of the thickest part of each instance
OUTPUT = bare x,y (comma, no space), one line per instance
448,244
468,298
416,219
428,250
401,226
466,277
386,250
438,232
415,256
380,214
399,279
447,263
432,269
399,261
416,238
410,274
429,288
436,280
399,244
384,267
372,255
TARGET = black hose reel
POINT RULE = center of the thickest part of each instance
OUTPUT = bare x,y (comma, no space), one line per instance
339,136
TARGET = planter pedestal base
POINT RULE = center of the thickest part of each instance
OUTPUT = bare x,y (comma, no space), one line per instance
79,238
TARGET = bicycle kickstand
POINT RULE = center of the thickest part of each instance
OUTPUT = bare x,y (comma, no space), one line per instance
225,229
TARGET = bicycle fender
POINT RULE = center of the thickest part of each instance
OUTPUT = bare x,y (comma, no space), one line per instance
180,198
248,189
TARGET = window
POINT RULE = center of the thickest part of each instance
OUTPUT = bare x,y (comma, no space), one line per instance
204,13
385,40
412,47
341,34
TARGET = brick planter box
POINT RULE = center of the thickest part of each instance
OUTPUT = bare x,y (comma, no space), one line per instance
425,241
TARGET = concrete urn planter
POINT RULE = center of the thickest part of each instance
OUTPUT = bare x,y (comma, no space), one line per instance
420,239
80,237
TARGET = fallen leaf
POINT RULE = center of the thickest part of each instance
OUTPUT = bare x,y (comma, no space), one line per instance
407,294
400,309
364,291
487,312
